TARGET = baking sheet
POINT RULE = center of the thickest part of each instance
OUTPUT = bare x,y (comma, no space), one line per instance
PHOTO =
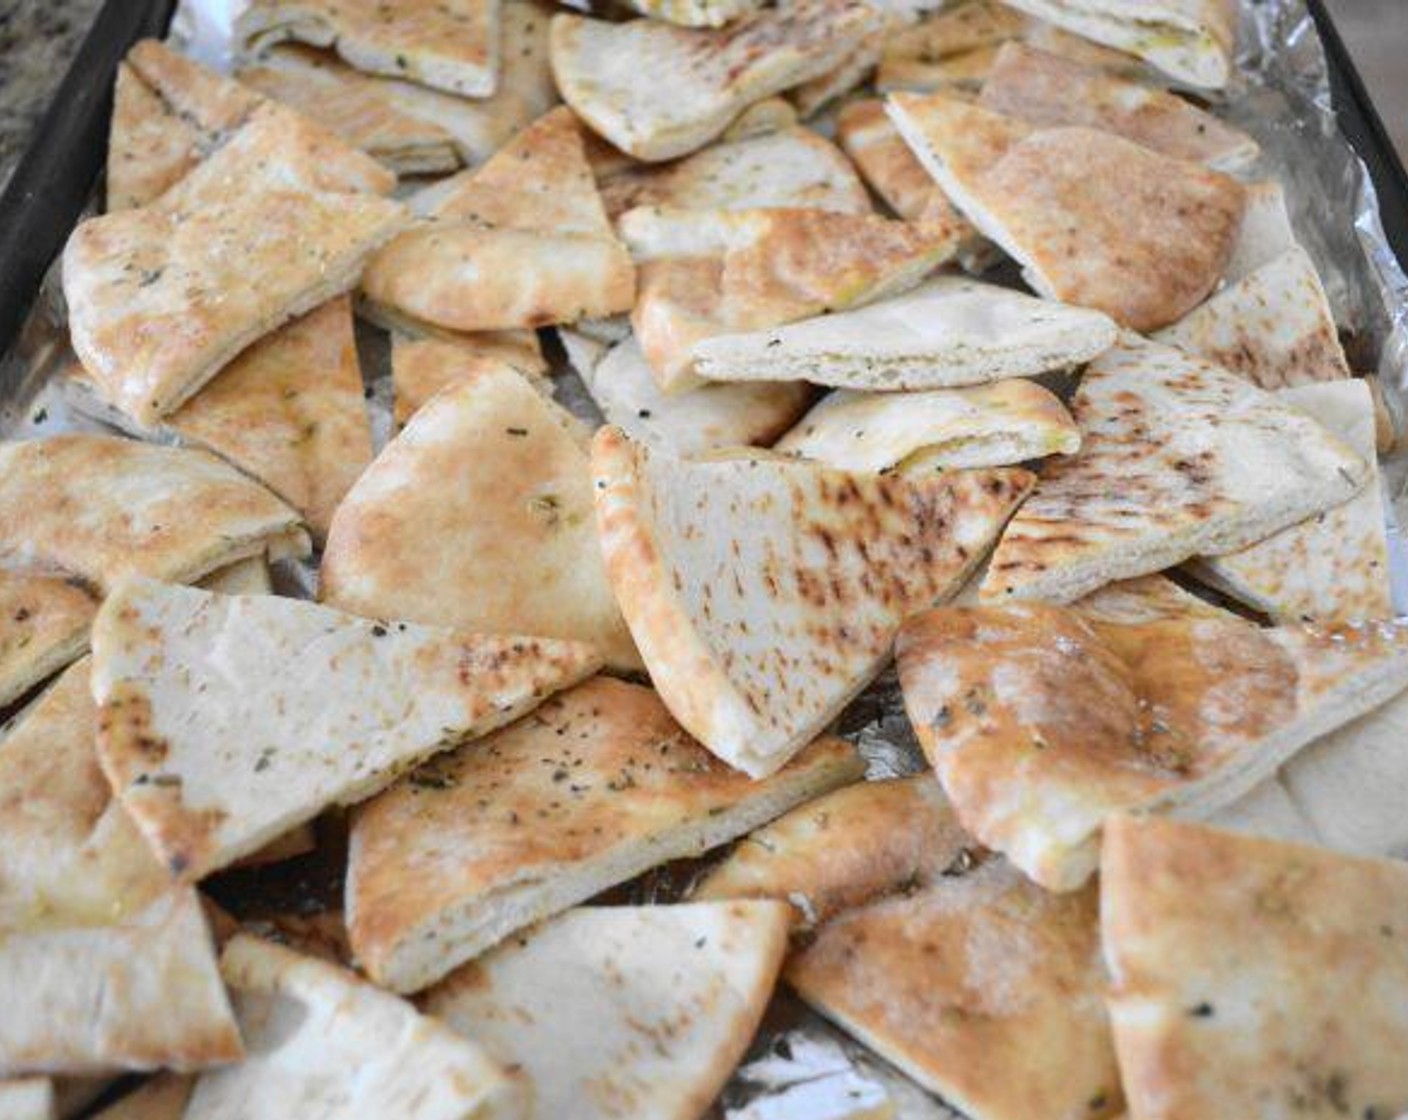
800,1067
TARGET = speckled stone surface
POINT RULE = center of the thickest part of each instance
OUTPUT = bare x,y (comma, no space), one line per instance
38,39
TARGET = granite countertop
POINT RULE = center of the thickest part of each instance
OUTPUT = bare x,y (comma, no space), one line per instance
38,39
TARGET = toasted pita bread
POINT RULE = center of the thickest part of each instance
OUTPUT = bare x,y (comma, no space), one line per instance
521,242
1096,220
1041,724
421,367
164,1097
757,640
1251,976
695,13
612,73
818,94
1046,89
1266,231
654,1007
1145,599
787,167
323,1042
771,114
451,45
976,983
27,1098
520,514
689,423
1205,463
985,426
356,106
1274,327
595,788
706,273
243,577
98,508
105,966
1190,40
214,758
948,333
1331,568
159,298
45,626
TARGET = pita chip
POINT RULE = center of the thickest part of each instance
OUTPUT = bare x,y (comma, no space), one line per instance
695,13
942,429
451,45
1145,599
44,622
595,788
1046,89
771,114
421,367
243,577
525,555
163,1097
521,242
817,95
786,168
215,746
323,1042
159,298
756,640
698,420
979,985
1274,327
357,107
612,73
651,1009
98,508
1253,977
1179,459
1094,219
707,273
1189,40
1330,568
947,333
1041,723
105,966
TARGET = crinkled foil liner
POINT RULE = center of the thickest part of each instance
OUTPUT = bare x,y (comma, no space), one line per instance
800,1067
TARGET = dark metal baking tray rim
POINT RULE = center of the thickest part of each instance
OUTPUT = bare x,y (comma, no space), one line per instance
55,178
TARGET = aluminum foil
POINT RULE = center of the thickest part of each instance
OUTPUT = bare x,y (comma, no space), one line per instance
800,1067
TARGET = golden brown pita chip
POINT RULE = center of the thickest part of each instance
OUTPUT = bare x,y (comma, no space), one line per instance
521,242
596,787
1145,599
44,622
1095,220
525,555
1251,977
451,45
421,367
1041,724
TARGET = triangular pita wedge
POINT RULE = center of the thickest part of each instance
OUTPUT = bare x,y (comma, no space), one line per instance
949,332
650,1009
451,45
1144,599
942,429
164,1097
764,592
1274,326
421,367
1266,231
243,577
697,420
1330,568
323,1042
228,720
595,788
98,508
159,298
612,74
525,556
1046,89
104,965
521,242
1095,219
695,13
1041,724
45,626
1179,459
1254,978
356,106
27,1098
706,273
979,985
789,167
1190,40
771,114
